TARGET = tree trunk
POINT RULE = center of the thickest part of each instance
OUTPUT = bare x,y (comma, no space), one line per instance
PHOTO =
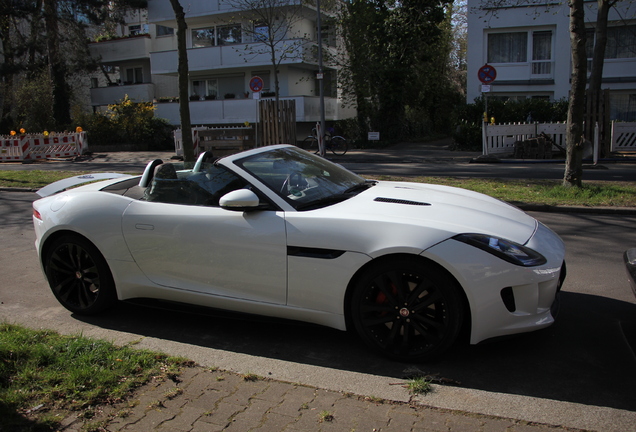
575,138
184,99
57,72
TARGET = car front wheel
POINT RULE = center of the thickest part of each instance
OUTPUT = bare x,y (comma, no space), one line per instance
79,275
407,308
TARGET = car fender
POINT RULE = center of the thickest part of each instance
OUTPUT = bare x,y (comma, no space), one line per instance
94,215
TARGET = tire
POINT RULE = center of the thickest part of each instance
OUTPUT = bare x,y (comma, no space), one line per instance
407,309
310,144
338,145
79,275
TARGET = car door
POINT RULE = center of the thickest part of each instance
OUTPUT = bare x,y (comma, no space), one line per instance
207,249
210,250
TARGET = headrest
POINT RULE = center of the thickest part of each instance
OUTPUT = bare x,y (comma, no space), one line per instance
166,171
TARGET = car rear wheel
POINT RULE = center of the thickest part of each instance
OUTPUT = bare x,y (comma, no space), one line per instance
79,275
407,309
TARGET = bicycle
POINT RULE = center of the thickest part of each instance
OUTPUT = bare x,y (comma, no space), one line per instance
337,144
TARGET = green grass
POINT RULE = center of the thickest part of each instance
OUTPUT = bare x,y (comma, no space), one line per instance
35,179
419,385
550,192
44,375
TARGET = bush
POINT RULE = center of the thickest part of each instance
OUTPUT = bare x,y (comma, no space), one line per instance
128,123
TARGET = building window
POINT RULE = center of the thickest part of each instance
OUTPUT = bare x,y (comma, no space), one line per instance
134,76
542,52
208,88
508,47
137,29
216,36
621,42
229,34
328,35
203,37
164,31
261,33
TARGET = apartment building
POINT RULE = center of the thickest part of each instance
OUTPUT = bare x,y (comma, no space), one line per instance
225,52
528,44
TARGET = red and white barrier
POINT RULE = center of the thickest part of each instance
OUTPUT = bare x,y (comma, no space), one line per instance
33,147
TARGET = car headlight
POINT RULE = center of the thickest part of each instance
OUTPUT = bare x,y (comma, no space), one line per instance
505,249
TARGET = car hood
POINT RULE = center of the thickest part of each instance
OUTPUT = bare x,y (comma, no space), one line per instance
446,210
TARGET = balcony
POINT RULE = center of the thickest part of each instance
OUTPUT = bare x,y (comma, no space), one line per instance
216,112
161,12
222,57
123,49
109,95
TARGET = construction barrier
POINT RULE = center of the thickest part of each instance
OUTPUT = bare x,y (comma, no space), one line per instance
623,137
32,147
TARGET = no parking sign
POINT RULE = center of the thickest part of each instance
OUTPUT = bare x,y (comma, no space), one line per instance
487,74
256,84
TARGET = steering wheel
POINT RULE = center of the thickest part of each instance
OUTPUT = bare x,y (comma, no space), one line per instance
293,184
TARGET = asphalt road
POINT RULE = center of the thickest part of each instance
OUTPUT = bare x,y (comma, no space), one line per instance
432,160
578,373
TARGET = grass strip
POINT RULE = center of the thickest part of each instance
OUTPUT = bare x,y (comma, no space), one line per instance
44,374
531,191
536,191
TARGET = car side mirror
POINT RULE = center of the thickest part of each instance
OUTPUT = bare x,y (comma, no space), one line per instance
240,200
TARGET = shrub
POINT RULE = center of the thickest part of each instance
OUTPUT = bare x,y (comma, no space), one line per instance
126,123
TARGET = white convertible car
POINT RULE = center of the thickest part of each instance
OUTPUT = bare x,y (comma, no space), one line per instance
281,232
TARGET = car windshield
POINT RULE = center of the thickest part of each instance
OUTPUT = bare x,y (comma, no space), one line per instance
304,180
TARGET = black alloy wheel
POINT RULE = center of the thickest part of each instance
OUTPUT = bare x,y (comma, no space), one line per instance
408,309
79,275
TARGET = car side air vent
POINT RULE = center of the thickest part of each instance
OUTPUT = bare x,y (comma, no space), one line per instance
400,201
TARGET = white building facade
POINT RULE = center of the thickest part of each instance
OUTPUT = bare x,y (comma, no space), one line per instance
224,55
528,44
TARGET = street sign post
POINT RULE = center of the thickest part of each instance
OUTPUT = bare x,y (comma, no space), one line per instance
487,74
256,84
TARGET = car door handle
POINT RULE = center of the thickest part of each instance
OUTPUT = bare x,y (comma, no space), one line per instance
145,227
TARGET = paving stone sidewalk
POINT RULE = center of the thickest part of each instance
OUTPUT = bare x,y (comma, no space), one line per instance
206,400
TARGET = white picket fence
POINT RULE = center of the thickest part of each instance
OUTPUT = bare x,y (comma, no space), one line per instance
501,138
21,148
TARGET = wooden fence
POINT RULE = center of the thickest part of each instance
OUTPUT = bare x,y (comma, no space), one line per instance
277,126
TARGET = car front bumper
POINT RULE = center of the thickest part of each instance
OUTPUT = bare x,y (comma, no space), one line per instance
506,299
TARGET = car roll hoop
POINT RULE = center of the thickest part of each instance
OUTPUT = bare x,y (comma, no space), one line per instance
149,172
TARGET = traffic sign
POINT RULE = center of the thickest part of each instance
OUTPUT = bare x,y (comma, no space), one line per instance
487,74
256,84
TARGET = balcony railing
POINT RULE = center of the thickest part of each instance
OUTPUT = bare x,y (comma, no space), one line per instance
109,95
117,50
229,111
229,56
